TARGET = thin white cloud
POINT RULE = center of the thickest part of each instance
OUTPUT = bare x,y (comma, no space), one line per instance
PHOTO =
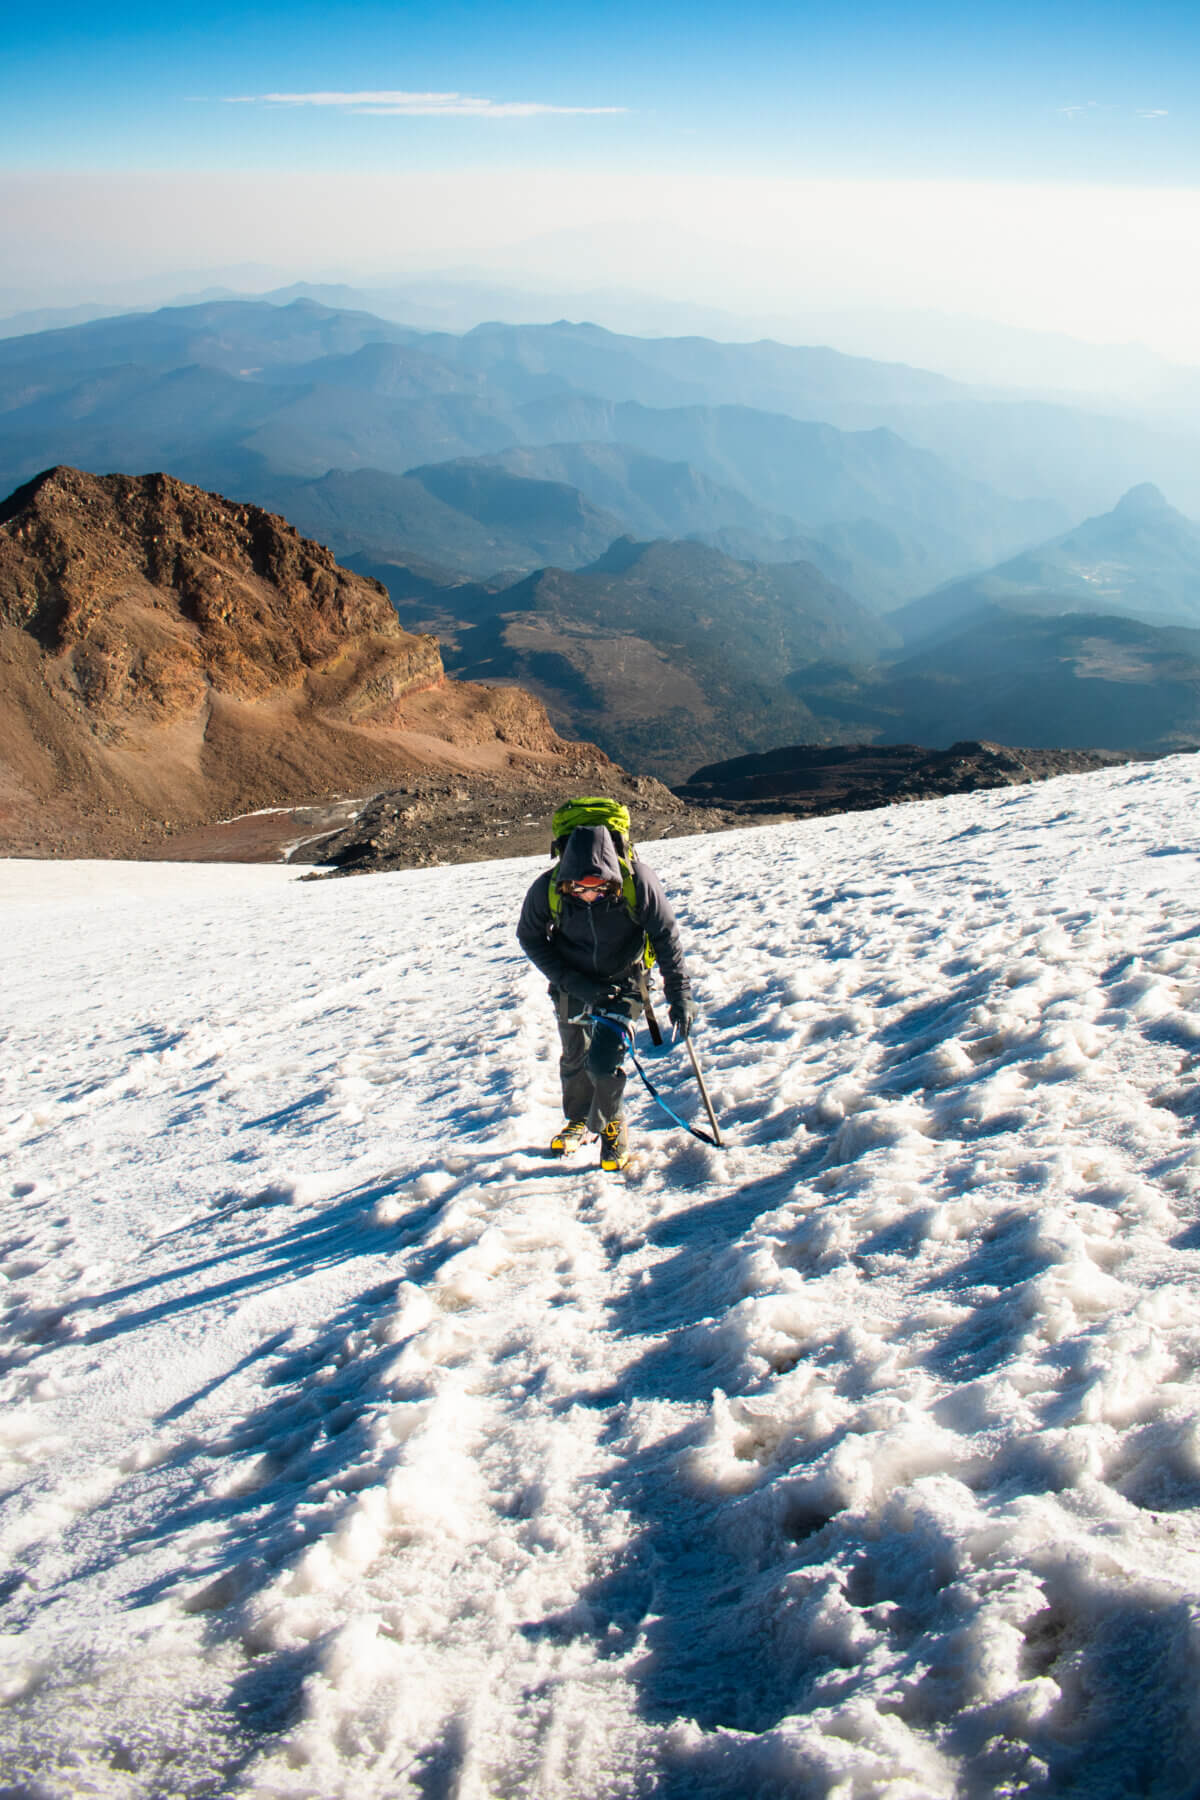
391,103
1094,106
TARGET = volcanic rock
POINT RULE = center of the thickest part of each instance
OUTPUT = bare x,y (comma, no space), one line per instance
480,819
169,657
803,780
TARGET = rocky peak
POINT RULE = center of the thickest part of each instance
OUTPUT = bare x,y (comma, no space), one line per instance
1143,502
250,603
169,657
620,556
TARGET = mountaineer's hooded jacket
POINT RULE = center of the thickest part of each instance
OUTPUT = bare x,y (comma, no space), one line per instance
598,938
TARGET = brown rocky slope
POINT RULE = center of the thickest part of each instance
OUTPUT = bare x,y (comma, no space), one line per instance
169,658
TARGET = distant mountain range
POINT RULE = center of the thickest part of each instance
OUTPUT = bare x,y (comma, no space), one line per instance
249,397
803,382
1076,458
1028,448
1003,360
486,514
655,497
652,534
661,651
463,516
657,650
1141,560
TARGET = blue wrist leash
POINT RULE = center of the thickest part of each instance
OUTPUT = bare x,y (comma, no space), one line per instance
624,1030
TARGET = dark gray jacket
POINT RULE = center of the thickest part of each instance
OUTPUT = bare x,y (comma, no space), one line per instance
598,938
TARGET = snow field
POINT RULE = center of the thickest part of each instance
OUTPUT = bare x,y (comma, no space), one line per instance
353,1447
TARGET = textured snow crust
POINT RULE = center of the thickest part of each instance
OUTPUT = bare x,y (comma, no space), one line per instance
351,1447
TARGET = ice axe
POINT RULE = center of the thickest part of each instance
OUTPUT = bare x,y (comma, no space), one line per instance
698,1072
624,1030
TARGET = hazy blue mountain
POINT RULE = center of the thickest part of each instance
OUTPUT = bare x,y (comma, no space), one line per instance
501,517
548,384
189,422
185,389
1080,457
322,428
472,517
495,513
654,497
54,318
1026,446
687,371
240,337
241,395
448,301
543,513
389,371
879,564
1141,560
237,435
814,474
1074,456
1000,360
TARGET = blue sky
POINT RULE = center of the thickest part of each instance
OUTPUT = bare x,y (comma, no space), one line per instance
1032,164
915,91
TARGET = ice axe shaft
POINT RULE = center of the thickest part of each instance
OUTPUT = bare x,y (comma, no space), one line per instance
652,1024
699,1074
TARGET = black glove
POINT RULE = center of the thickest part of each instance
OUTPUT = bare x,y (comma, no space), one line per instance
682,1014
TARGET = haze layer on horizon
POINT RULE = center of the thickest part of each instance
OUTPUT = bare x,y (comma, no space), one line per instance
1039,171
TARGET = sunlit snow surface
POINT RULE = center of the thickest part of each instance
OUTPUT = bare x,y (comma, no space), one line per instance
353,1447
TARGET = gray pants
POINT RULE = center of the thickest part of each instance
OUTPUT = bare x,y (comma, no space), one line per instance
589,1066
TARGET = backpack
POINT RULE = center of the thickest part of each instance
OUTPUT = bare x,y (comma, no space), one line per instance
615,818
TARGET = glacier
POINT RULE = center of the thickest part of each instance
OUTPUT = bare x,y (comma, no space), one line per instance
353,1447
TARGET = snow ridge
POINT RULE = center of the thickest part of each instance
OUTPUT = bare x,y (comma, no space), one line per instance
352,1447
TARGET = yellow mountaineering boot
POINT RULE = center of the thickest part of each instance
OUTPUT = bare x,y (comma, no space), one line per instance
614,1145
569,1137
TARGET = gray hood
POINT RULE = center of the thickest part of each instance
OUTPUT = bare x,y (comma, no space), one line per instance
604,940
590,851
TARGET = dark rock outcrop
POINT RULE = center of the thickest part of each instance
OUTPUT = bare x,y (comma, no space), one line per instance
808,779
477,819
